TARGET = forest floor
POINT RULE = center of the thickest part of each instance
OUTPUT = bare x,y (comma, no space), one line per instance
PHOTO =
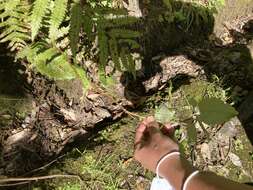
50,138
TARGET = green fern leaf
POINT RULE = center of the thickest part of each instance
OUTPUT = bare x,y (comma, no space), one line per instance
131,65
87,26
54,65
38,12
10,21
103,49
45,56
128,61
103,52
119,22
123,58
102,11
75,27
124,33
11,5
114,53
132,43
30,52
15,35
12,28
57,17
16,45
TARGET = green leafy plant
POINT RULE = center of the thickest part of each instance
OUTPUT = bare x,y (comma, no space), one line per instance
213,111
49,34
206,107
192,13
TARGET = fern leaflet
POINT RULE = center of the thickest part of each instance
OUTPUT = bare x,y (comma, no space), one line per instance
124,33
115,53
38,12
103,49
75,27
57,17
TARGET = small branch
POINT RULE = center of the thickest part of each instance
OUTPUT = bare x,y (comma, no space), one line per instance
14,184
133,115
38,178
45,166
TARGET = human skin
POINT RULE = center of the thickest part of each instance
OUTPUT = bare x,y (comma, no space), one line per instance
152,142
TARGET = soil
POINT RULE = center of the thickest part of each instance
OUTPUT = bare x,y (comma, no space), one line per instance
54,118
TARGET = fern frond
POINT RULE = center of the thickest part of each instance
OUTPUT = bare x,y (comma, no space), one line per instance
16,43
87,26
9,21
102,11
13,35
131,65
57,17
31,52
103,49
131,43
75,27
120,21
38,12
115,53
12,28
58,68
124,33
11,5
123,58
45,56
128,61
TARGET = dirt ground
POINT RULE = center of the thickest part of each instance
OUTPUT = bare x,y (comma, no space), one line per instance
49,128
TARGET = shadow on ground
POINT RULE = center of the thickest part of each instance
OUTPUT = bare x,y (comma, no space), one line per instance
13,87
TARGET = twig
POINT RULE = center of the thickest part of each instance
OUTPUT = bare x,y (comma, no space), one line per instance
38,178
133,115
14,184
45,166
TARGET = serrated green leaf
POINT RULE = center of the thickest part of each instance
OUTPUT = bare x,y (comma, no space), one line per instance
124,33
87,26
30,52
58,68
15,35
114,53
214,111
38,12
58,14
11,5
164,115
103,49
75,26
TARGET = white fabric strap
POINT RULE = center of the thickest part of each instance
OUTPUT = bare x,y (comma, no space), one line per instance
189,178
163,159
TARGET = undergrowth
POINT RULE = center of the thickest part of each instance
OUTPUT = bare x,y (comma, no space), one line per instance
56,37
